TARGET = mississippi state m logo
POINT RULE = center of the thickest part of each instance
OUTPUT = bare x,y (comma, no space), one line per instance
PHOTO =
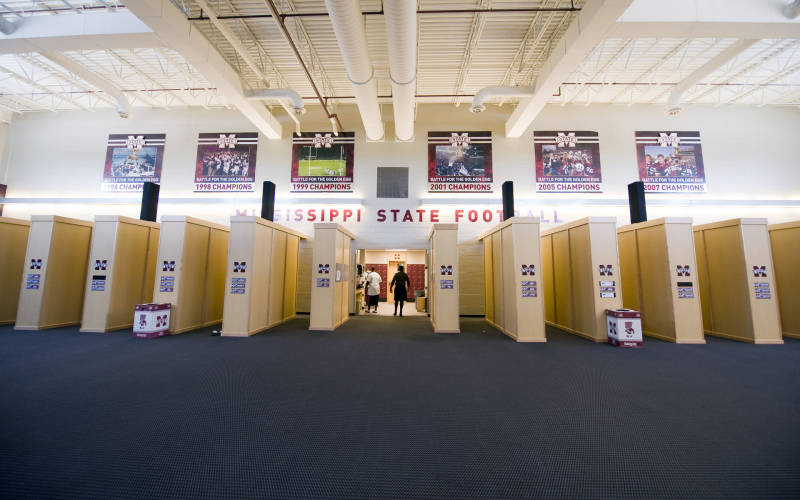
606,270
682,270
760,271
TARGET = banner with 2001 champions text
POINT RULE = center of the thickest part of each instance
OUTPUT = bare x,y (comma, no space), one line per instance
132,160
567,162
322,162
226,162
671,162
459,162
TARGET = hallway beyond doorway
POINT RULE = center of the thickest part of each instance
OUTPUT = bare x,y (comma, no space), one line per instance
387,309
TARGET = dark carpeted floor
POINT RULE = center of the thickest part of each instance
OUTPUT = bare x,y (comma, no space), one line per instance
385,408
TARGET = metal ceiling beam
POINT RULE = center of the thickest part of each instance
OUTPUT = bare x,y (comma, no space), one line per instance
766,55
68,79
94,30
520,52
479,10
625,46
790,70
478,22
531,64
144,75
655,67
29,81
232,39
171,26
705,19
585,32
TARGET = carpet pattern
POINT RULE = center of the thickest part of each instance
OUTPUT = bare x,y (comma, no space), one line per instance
384,408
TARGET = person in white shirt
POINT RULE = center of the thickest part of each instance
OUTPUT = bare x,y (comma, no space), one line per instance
373,284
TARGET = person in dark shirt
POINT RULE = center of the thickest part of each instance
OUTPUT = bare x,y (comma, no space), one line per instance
400,282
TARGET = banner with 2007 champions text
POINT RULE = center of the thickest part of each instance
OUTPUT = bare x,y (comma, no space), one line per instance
226,162
459,162
671,162
322,162
132,160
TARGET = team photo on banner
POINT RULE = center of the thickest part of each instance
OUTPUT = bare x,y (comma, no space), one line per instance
671,162
322,162
459,162
567,162
132,160
226,162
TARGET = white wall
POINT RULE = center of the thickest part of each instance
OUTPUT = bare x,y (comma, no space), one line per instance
751,157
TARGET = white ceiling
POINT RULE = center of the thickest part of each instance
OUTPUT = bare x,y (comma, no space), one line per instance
458,54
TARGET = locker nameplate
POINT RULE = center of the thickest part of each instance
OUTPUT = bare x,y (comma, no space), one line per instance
446,284
167,284
98,283
238,285
529,289
762,290
32,281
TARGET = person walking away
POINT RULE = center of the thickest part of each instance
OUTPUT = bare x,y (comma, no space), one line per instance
373,281
400,282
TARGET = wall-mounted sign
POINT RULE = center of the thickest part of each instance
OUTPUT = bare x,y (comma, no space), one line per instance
459,162
322,162
567,162
226,162
671,162
132,160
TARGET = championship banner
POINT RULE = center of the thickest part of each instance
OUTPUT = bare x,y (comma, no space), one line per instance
567,162
671,162
459,162
226,162
132,160
322,162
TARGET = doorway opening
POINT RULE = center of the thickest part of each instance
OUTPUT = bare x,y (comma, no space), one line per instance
386,263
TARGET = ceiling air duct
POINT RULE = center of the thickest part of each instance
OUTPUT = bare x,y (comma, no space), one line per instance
348,25
401,36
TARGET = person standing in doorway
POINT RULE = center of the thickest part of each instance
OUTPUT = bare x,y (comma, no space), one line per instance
400,282
373,284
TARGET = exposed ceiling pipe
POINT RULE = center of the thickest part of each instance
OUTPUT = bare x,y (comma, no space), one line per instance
674,100
401,37
487,92
278,19
123,106
792,10
348,25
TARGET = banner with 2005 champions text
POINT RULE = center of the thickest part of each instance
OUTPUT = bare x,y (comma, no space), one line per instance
671,162
132,160
322,162
459,162
226,162
567,162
